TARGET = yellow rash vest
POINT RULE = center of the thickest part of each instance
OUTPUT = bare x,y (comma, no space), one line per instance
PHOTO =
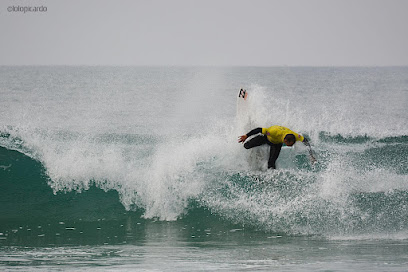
276,134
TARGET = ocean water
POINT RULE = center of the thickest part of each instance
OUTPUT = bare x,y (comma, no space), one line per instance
139,169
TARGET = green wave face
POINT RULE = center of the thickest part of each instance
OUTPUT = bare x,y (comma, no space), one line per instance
358,187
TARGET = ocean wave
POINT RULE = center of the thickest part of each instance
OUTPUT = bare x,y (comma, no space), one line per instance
359,186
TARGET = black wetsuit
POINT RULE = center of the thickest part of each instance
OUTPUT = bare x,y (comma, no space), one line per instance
261,140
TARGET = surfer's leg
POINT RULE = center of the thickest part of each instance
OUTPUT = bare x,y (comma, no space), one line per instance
273,155
256,141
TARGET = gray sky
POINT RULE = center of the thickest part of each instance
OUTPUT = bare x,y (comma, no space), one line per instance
193,32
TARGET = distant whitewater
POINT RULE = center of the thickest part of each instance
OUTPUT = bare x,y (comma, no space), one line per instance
162,142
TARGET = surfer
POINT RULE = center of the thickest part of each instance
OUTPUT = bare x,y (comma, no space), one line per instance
275,137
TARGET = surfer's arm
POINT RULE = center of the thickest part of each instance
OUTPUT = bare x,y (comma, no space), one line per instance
306,143
254,131
242,138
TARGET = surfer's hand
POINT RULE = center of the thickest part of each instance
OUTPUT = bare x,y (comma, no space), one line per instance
313,160
242,138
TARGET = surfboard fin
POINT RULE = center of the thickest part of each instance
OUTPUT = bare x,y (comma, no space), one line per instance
243,94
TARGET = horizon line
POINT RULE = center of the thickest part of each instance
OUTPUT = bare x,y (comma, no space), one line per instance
201,65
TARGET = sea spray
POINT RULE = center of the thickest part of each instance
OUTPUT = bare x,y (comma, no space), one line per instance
169,162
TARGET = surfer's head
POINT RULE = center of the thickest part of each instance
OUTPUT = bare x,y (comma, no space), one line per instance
289,139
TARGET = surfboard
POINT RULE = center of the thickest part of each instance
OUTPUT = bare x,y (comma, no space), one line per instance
257,157
243,111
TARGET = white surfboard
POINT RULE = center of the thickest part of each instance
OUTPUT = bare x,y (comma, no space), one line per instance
258,156
243,111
